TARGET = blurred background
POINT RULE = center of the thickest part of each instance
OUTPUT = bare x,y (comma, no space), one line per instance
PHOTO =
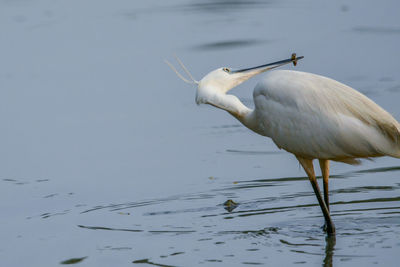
106,160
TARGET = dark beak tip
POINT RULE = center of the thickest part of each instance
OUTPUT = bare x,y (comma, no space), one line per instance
293,60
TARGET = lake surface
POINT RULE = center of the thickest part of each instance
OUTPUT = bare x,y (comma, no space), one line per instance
107,161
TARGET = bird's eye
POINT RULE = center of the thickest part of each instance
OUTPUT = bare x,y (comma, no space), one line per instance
226,69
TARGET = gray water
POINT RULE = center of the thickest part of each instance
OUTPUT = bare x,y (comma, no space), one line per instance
106,160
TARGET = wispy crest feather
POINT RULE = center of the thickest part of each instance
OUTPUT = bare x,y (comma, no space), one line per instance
191,81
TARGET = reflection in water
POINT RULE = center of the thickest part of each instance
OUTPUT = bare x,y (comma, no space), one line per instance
365,214
329,248
363,221
250,208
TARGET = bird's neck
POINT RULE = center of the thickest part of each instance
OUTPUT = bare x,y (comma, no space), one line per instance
236,108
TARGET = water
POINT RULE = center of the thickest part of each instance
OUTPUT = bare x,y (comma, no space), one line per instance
106,160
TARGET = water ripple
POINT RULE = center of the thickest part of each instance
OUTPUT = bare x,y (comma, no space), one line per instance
228,44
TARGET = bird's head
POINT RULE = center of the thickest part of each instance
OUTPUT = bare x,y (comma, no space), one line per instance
221,80
218,82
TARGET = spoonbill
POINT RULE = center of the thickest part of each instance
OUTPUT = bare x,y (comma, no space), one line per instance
308,115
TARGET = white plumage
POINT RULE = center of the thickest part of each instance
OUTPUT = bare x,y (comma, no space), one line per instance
311,116
316,117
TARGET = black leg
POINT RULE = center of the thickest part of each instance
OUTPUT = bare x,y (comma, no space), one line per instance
309,169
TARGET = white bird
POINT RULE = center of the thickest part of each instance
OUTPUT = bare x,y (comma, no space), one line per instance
308,115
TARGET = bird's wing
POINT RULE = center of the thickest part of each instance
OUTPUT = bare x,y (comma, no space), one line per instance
317,117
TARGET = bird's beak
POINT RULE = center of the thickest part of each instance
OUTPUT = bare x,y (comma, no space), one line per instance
259,69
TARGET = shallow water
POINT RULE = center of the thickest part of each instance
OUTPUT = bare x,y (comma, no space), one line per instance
106,160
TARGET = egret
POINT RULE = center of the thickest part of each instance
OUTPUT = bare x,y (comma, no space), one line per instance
308,115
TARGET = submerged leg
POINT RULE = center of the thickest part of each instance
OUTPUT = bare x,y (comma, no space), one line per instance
309,169
324,164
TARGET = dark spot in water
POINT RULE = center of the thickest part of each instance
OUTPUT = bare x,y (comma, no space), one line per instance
386,79
299,244
115,248
253,212
123,213
211,7
344,8
224,6
305,252
19,18
375,170
357,78
130,205
204,239
171,232
48,214
147,261
16,182
251,233
227,126
387,199
377,30
249,152
73,260
109,229
51,195
363,189
131,15
121,248
177,253
394,89
166,212
9,180
214,260
231,44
